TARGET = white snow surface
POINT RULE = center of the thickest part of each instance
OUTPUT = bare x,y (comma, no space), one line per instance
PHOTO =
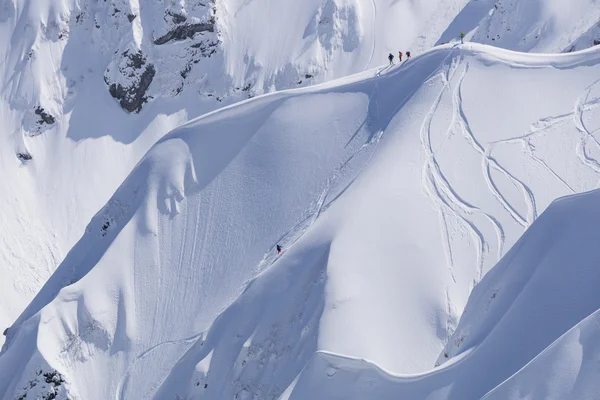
543,287
59,57
393,193
541,26
565,370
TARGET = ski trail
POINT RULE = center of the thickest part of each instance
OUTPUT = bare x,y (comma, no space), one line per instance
383,69
489,162
527,192
124,381
530,153
438,189
427,180
582,105
538,128
450,325
586,159
447,246
470,138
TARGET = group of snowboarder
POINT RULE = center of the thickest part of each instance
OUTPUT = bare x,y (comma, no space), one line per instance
391,57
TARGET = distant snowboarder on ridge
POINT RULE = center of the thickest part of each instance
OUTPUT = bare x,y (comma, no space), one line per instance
408,55
279,249
399,56
391,58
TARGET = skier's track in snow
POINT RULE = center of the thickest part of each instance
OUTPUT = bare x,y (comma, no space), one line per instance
580,108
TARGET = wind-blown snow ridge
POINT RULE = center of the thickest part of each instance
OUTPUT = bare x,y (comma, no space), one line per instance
542,288
395,187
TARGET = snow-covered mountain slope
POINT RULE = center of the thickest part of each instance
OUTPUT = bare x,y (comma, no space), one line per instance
541,26
568,369
544,286
393,192
87,87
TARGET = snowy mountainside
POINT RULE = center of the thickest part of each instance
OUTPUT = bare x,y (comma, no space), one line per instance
541,289
88,87
399,193
567,369
539,26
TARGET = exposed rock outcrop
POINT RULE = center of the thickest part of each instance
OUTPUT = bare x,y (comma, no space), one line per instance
186,31
132,80
45,118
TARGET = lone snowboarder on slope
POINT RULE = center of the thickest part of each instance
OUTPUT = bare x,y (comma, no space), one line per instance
408,55
399,56
279,249
391,58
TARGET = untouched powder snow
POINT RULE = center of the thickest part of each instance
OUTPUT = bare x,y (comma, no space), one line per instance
393,193
541,26
568,369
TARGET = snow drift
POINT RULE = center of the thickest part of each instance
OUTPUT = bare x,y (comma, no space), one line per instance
393,193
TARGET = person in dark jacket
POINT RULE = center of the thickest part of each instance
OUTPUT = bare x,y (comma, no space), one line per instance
279,249
391,58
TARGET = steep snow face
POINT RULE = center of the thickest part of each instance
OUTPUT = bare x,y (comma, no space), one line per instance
541,26
542,288
397,194
565,370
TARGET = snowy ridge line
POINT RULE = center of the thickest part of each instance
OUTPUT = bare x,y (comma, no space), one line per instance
356,364
563,60
583,324
541,60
